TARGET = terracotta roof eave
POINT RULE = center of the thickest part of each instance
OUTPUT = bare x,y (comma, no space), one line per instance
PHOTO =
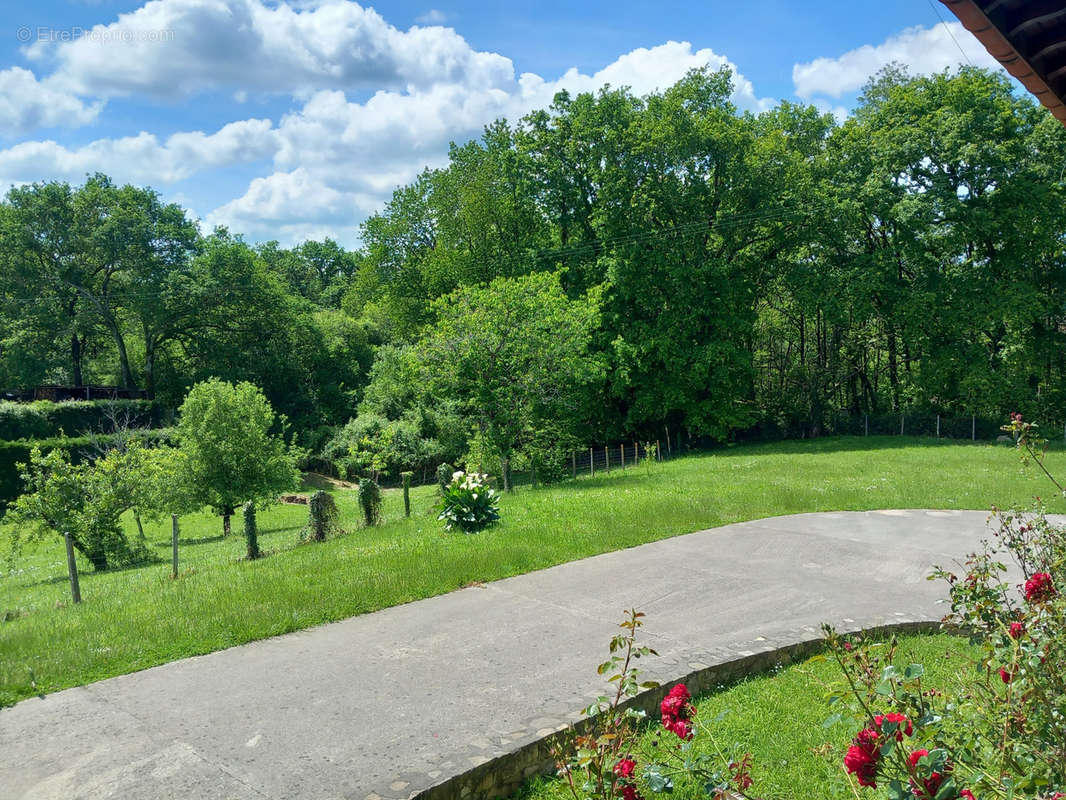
975,21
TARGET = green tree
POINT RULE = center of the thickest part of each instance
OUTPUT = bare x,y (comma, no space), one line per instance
513,353
232,448
80,500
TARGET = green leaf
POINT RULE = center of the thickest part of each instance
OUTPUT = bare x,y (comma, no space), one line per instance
913,671
831,721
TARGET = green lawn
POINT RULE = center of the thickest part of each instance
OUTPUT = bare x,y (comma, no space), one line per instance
779,719
136,618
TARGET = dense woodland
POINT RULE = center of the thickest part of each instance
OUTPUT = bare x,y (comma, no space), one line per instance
605,268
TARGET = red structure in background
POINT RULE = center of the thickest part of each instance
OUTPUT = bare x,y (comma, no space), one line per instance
1028,37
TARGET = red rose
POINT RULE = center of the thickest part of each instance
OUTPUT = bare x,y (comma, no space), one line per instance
1005,675
676,701
903,725
1039,588
1016,630
625,767
679,727
931,785
863,756
966,794
676,710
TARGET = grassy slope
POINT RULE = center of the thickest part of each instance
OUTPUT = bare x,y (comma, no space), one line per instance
779,719
137,618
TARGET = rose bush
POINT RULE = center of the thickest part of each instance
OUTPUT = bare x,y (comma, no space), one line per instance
1003,735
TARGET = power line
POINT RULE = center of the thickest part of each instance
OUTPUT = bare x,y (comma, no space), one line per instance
948,29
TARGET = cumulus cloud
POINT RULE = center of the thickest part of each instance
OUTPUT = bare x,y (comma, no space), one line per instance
365,150
923,50
432,17
27,104
142,158
171,48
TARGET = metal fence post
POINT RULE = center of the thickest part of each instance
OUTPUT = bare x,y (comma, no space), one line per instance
937,426
900,424
866,424
973,428
592,467
573,462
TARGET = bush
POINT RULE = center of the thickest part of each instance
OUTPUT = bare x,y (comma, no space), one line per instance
468,503
444,475
1005,734
373,445
251,532
322,518
78,449
44,419
370,501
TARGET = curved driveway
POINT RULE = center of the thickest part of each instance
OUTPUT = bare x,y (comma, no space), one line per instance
390,703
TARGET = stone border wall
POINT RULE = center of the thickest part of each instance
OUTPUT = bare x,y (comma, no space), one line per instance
504,775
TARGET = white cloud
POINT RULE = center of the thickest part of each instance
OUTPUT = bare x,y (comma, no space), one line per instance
27,104
142,158
338,161
180,47
432,17
923,50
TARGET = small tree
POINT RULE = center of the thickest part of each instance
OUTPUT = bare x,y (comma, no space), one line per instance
230,454
81,501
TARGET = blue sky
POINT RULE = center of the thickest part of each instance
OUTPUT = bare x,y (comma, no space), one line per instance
295,121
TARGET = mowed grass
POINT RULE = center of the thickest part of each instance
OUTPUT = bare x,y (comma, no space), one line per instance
780,719
136,618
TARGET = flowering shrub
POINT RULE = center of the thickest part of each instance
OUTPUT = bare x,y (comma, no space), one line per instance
609,761
469,503
1004,734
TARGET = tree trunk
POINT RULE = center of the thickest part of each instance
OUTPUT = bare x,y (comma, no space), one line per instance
505,468
123,356
149,366
226,515
140,527
893,367
76,354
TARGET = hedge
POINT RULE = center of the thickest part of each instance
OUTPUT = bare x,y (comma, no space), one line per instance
44,419
79,448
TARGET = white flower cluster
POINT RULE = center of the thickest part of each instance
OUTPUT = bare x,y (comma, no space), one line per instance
473,480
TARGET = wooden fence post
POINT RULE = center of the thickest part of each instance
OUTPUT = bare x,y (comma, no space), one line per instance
937,426
622,454
669,448
592,468
573,462
900,424
72,568
866,424
174,546
607,457
973,428
659,450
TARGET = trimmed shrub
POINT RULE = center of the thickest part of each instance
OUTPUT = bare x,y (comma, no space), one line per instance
43,419
251,532
322,518
79,449
370,501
